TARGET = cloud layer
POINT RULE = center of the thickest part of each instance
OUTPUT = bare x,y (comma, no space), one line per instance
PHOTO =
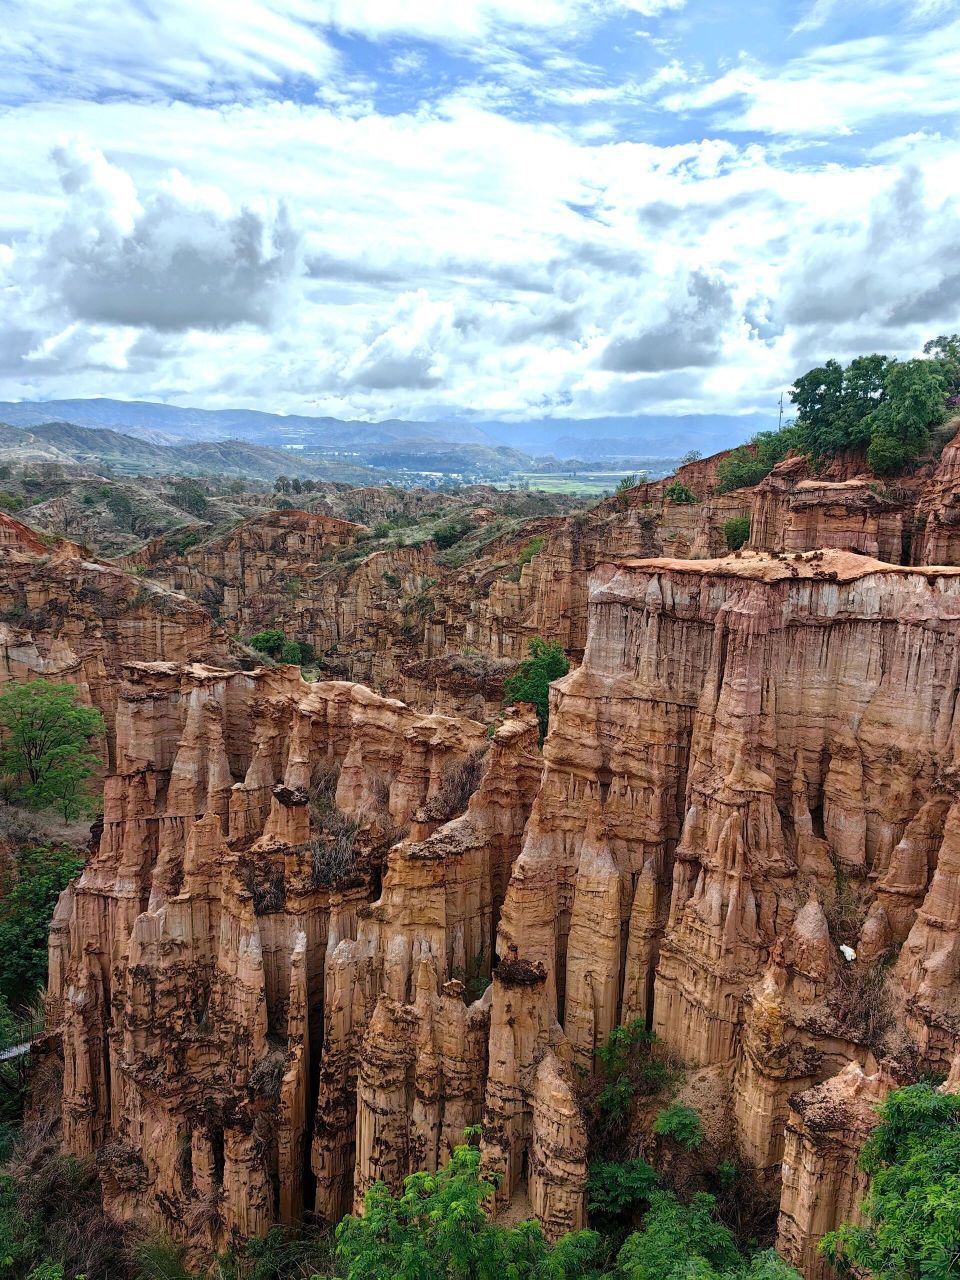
489,208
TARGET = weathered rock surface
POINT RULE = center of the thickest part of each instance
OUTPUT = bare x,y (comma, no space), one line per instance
66,617
937,525
793,511
230,933
754,766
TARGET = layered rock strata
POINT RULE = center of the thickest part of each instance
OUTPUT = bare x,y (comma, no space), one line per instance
793,511
744,830
66,617
251,1027
755,765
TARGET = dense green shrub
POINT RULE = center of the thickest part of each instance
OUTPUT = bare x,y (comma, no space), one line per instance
270,642
445,535
912,1228
438,1229
680,1123
615,1187
297,652
749,464
189,496
678,492
27,901
627,1069
686,1242
532,679
736,532
45,751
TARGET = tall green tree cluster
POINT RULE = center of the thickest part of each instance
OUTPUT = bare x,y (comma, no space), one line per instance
46,746
437,1229
912,1227
883,405
532,679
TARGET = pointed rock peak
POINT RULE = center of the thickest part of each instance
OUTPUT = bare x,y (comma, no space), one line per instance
876,936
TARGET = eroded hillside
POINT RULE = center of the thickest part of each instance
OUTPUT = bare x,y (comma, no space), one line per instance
254,1020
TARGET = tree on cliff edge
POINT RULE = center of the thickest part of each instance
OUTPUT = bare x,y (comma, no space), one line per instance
532,679
911,1228
45,746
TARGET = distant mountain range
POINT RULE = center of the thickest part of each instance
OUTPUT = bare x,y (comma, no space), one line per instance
591,439
102,447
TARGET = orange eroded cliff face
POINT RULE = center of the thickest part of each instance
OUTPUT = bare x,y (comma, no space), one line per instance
261,1012
67,617
273,980
754,766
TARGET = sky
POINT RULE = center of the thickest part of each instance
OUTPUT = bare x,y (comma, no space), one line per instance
508,209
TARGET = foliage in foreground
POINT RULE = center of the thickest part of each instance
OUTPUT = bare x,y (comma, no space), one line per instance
912,1229
45,750
532,679
27,900
436,1229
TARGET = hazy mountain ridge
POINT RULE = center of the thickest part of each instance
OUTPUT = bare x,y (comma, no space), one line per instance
595,438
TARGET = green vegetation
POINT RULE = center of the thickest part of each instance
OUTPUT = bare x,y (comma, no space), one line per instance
888,407
297,652
119,505
615,1188
27,899
445,535
749,464
437,1228
274,643
532,679
680,1123
189,495
628,1069
180,543
686,1242
912,1229
678,492
45,754
270,642
736,532
533,547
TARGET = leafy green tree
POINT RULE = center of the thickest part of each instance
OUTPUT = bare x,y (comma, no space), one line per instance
749,464
189,496
678,492
120,507
680,1123
945,350
615,1187
45,748
445,535
736,532
26,909
818,396
437,1229
270,642
915,401
532,679
912,1229
686,1242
